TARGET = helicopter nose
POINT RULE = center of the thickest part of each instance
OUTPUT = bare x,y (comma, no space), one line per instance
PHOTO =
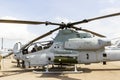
105,42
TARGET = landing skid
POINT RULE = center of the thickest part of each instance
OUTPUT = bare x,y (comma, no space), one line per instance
47,71
57,72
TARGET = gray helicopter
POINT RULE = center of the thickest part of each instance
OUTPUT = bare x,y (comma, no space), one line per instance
68,47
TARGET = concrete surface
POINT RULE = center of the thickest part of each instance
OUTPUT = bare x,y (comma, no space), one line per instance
96,71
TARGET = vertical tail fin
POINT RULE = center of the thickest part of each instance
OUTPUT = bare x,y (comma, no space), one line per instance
17,47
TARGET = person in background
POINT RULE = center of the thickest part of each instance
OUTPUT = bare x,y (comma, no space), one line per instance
0,61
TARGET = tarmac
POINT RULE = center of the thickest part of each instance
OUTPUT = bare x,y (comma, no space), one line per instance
95,71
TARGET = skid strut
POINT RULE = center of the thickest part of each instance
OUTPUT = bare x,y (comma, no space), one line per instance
47,69
75,68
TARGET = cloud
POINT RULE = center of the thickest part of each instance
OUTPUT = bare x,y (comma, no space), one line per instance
63,19
107,26
110,10
113,23
15,31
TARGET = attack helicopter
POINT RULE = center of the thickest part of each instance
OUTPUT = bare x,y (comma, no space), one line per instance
68,47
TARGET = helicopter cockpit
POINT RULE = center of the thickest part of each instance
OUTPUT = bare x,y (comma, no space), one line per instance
37,46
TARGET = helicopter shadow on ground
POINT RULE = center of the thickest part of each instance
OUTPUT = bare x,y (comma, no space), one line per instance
15,72
57,76
61,75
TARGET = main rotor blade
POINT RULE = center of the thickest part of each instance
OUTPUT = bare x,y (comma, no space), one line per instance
97,34
27,22
96,18
40,37
7,55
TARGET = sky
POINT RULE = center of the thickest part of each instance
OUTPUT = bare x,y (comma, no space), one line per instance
56,11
